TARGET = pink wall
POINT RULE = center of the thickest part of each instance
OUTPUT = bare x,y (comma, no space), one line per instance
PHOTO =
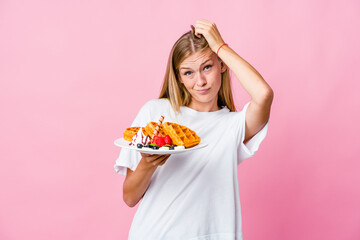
73,74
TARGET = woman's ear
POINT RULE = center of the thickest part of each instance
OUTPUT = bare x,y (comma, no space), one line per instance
223,66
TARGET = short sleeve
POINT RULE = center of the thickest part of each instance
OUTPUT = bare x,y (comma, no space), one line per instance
127,157
250,148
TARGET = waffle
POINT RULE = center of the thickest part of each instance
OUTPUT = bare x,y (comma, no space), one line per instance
130,132
180,135
150,128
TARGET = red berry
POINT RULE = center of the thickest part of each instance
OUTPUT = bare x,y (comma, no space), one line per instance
160,141
168,140
154,139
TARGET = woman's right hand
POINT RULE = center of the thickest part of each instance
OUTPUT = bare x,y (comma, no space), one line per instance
154,160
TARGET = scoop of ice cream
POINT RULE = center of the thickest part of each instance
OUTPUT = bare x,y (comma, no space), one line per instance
140,137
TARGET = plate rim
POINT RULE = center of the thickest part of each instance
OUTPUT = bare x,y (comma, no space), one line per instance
151,151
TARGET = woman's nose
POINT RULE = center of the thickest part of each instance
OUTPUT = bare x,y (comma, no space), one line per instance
201,81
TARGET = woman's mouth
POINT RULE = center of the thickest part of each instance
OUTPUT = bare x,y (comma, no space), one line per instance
203,91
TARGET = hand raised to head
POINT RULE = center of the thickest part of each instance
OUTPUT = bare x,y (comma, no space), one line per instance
210,32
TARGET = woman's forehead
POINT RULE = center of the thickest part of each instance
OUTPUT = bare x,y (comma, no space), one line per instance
197,58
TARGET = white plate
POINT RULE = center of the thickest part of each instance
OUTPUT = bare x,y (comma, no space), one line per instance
121,142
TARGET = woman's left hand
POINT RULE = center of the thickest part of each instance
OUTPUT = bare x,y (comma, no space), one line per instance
210,32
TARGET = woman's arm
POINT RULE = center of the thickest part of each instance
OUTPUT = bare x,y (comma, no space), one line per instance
137,182
258,111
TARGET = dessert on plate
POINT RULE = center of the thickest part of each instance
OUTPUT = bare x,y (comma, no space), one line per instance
163,136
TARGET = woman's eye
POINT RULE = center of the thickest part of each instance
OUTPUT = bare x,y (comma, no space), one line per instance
188,73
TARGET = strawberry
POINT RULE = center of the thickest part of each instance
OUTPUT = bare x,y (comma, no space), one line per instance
154,139
160,141
167,140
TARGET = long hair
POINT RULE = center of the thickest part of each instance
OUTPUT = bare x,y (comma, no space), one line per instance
174,90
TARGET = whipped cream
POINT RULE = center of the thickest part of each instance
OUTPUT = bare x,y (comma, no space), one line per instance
140,137
179,147
164,148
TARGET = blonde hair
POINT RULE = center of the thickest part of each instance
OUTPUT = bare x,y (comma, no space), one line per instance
174,90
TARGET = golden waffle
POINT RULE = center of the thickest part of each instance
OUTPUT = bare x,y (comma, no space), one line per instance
180,135
150,128
130,132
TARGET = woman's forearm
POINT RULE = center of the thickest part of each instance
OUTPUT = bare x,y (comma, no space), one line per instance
249,78
137,182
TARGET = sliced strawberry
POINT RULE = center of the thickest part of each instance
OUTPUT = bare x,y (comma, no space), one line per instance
154,139
167,140
160,141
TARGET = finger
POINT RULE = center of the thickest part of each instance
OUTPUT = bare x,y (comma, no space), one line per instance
152,158
146,154
200,27
165,159
207,27
205,22
162,162
194,32
156,157
203,30
198,32
157,162
161,159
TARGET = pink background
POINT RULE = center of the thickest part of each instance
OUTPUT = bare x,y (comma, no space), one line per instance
73,75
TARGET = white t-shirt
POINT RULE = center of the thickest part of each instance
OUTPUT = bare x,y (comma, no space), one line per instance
194,195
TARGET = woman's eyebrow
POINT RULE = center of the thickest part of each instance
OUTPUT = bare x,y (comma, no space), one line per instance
200,65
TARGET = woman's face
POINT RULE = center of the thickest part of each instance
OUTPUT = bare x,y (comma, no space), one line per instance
201,75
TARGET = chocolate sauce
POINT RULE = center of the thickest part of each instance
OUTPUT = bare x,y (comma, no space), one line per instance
143,141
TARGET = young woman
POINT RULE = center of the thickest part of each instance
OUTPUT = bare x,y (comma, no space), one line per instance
195,195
